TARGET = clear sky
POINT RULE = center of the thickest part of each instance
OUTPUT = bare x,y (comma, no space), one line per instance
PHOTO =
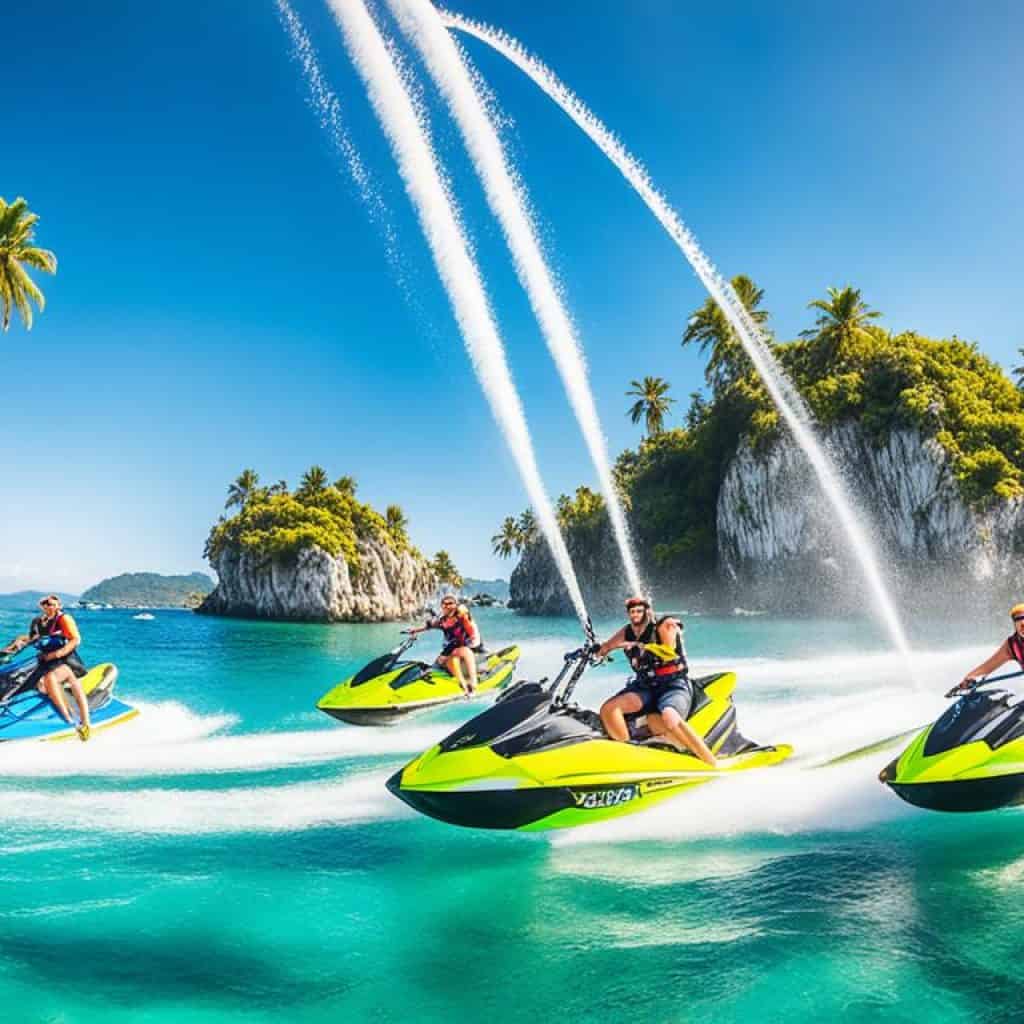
225,300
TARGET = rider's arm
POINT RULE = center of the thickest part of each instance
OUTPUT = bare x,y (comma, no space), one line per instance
1000,657
667,632
429,624
612,643
18,643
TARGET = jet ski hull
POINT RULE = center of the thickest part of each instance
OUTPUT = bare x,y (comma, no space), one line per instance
412,688
524,765
970,759
32,716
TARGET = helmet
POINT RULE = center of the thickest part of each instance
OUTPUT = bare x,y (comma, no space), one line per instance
1017,609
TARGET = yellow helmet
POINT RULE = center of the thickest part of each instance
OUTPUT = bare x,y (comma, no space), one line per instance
1017,609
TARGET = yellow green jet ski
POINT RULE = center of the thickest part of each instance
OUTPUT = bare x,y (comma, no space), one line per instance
970,759
534,761
389,689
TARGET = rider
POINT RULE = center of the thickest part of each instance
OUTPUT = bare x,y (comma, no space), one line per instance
59,660
461,641
662,689
1011,649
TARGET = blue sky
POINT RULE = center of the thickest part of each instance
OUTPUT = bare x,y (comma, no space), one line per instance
224,299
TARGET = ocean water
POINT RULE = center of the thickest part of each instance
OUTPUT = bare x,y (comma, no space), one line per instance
232,854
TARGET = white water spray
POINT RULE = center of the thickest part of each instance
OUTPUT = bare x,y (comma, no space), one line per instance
789,403
418,165
508,200
328,110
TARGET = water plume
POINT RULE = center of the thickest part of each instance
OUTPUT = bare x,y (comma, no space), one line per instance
327,107
417,163
507,198
789,403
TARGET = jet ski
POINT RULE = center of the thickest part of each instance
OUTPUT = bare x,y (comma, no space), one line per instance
536,761
389,688
970,759
26,714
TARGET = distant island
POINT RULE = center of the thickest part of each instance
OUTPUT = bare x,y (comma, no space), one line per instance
496,588
150,590
30,598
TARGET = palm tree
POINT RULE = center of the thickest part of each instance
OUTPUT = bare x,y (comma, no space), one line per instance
444,569
313,483
1018,371
397,523
710,329
242,491
527,527
18,290
652,403
508,539
281,487
844,318
347,485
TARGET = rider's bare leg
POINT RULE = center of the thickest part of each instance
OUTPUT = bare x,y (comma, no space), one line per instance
614,711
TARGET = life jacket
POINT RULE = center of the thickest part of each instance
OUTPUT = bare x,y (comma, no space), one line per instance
455,630
1016,646
650,668
55,629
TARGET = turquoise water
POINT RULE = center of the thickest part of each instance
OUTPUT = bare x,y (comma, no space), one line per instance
232,854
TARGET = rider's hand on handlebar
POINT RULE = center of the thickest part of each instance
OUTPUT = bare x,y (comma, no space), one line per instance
964,686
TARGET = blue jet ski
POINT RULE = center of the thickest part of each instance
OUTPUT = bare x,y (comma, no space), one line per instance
26,714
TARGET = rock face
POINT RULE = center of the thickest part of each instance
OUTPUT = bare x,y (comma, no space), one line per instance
318,587
537,589
779,545
777,533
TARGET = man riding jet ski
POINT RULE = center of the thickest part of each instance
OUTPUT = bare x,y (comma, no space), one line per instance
661,687
972,757
27,714
535,761
389,689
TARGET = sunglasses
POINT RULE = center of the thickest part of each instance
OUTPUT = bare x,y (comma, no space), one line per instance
1018,618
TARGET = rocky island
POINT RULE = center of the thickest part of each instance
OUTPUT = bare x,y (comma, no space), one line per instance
314,554
928,434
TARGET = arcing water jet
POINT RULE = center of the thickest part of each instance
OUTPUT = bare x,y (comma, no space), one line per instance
410,142
789,403
509,203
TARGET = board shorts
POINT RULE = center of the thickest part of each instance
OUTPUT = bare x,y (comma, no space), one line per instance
449,649
677,695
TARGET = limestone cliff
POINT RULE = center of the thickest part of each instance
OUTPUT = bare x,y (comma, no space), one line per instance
776,532
314,586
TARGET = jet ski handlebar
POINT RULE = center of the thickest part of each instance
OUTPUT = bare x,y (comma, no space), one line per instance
962,689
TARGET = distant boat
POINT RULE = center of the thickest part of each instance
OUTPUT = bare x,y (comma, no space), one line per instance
144,617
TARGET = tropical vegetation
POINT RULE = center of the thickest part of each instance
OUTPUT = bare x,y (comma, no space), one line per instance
652,403
277,523
17,253
445,571
847,367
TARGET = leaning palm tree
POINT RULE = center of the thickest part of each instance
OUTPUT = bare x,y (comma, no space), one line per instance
242,491
652,403
710,329
844,318
313,482
18,290
508,539
346,484
444,569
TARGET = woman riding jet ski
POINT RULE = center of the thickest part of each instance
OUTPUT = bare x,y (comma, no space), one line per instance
972,757
26,714
389,689
534,761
